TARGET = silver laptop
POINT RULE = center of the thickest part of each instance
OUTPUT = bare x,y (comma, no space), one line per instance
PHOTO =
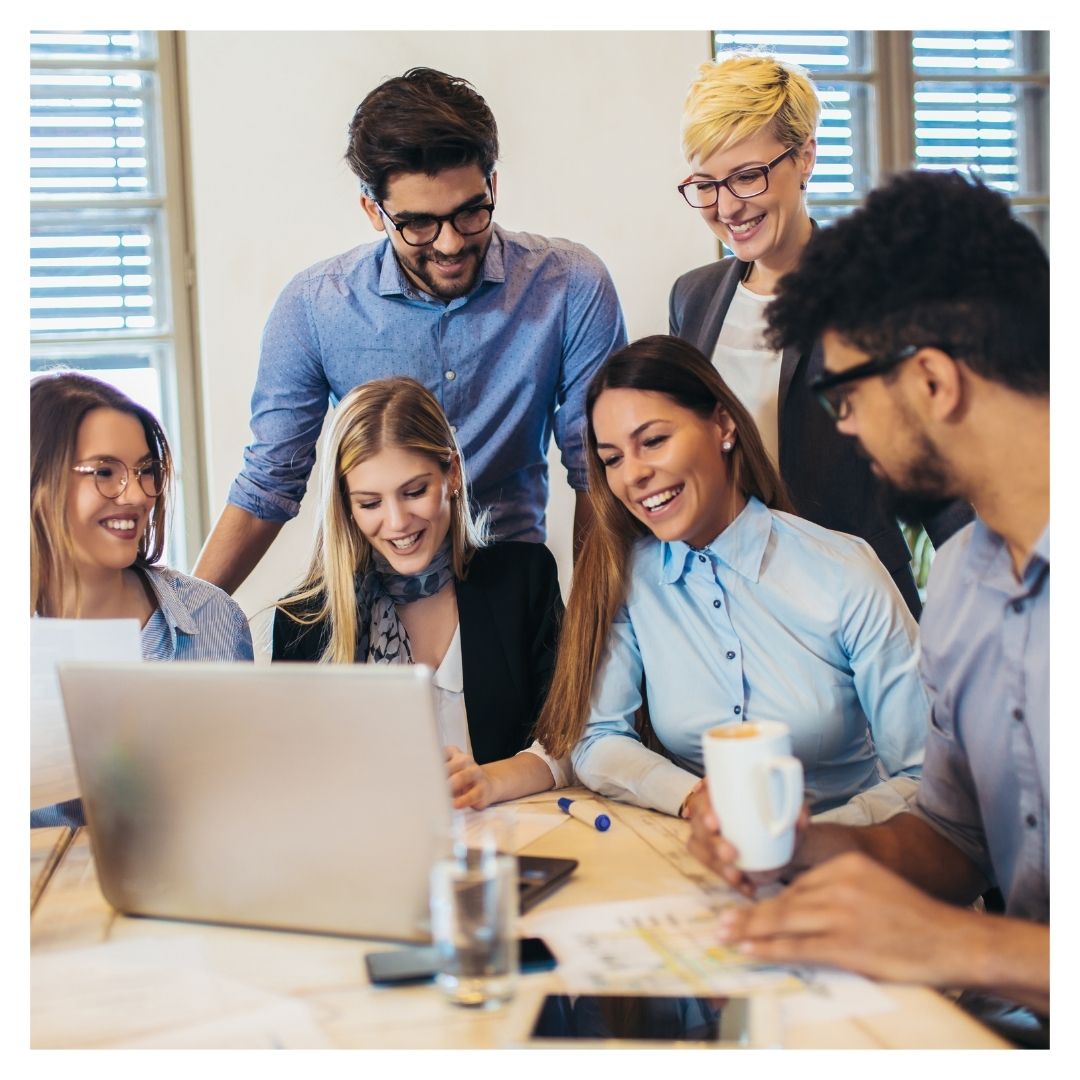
305,797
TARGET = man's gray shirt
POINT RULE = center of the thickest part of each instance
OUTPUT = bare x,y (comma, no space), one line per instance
985,660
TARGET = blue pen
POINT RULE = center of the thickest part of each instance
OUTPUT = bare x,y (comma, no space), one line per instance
600,821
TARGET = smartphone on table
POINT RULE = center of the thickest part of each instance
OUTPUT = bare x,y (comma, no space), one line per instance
418,964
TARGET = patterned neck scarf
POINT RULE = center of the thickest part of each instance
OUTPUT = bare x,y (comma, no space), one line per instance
383,637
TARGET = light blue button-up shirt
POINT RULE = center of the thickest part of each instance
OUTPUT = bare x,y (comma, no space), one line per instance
777,619
986,663
509,363
194,620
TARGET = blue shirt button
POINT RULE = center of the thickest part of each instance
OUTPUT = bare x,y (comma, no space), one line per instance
730,655
716,603
1018,606
701,558
1031,821
738,709
1018,714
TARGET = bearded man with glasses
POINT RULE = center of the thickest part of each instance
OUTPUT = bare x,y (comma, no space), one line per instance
506,329
933,304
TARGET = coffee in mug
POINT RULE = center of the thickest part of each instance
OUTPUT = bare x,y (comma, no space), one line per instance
756,789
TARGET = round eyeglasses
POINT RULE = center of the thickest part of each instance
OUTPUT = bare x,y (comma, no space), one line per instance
743,184
111,476
423,229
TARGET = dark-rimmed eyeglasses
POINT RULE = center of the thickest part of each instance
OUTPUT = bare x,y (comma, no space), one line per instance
832,390
111,476
424,229
743,184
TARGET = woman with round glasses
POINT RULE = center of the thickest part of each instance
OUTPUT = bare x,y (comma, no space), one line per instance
748,131
100,474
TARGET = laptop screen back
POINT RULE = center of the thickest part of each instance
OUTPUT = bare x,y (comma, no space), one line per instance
292,796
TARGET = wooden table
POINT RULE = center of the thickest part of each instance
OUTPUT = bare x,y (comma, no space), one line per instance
103,979
47,849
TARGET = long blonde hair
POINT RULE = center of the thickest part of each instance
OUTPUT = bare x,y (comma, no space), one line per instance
59,402
669,366
382,414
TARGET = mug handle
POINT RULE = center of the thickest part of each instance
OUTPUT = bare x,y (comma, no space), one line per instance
790,771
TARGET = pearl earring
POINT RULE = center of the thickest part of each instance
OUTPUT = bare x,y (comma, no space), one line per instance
727,446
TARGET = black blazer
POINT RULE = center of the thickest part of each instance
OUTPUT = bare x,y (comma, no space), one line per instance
509,607
829,482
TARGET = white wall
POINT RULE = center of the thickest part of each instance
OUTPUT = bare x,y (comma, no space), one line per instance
579,113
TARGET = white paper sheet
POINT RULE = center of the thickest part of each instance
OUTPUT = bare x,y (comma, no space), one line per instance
832,995
668,946
156,993
51,641
660,946
522,826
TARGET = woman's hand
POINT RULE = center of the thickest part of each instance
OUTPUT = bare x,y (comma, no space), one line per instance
470,785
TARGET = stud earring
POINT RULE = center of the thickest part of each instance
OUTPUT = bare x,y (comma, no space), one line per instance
727,446
802,186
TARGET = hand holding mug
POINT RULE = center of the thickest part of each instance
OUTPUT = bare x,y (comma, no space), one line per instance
710,847
755,788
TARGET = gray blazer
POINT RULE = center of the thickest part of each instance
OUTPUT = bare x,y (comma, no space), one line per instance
829,482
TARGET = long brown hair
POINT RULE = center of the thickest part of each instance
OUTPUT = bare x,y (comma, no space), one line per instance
59,401
374,416
669,366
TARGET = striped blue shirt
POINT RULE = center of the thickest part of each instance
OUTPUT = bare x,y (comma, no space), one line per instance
777,619
509,363
194,620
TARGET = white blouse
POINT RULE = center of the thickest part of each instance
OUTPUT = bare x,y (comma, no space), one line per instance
453,721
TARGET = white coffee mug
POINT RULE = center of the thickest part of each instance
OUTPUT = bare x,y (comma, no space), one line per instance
756,788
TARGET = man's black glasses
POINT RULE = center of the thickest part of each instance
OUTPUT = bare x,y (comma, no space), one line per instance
422,230
832,390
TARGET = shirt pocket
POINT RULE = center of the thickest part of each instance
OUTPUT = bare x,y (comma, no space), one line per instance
941,717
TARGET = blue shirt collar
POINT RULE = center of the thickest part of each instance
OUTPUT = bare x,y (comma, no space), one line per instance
394,282
989,562
741,546
176,615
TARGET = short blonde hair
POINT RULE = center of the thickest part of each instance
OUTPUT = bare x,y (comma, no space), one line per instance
740,93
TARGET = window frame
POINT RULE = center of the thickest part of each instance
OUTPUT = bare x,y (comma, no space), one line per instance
173,343
891,77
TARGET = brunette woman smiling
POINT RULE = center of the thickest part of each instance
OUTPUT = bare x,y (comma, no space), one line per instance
100,478
699,586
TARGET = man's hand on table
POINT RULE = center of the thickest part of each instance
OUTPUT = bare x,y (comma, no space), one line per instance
850,912
708,845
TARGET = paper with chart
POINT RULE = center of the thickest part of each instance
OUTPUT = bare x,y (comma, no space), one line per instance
667,836
662,946
668,946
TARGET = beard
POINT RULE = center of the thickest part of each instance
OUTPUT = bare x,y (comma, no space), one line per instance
422,267
922,490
